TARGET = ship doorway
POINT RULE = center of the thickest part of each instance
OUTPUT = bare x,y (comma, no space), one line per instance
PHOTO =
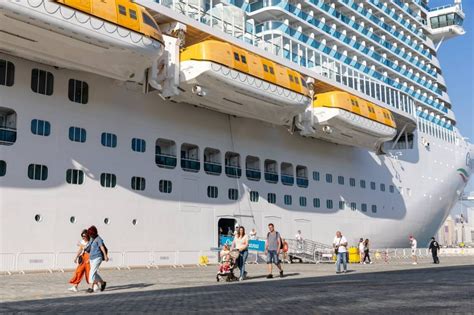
225,227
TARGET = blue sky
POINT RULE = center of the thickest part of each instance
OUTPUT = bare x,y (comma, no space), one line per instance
457,62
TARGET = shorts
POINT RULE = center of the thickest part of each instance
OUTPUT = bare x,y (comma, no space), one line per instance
272,257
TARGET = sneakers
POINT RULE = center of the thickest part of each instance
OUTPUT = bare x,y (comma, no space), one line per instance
95,288
269,276
415,263
344,271
73,289
245,274
241,279
281,274
90,290
102,287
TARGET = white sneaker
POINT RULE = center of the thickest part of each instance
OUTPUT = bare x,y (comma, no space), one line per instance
415,263
96,288
73,289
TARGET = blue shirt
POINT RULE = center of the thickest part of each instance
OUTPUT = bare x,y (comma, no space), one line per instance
95,248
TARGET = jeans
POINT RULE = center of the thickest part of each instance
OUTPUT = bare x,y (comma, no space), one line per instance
241,261
341,257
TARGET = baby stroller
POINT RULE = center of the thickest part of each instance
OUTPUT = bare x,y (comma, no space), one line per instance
227,266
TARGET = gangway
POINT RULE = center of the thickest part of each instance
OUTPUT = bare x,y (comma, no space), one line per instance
309,251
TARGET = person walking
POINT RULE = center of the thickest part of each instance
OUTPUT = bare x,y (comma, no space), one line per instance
361,250
82,261
366,251
253,234
273,247
413,245
299,241
340,249
241,242
98,253
434,248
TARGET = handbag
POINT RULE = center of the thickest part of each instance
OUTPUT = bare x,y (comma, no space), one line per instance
336,249
80,260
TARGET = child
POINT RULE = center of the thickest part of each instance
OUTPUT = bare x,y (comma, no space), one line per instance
225,259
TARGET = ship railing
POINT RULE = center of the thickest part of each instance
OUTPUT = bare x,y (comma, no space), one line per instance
253,173
165,160
233,171
190,164
271,177
214,168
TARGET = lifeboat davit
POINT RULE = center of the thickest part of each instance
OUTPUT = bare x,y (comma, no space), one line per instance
86,35
342,118
225,78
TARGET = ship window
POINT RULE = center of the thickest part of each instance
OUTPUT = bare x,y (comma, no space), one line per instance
265,68
329,204
316,176
243,58
232,165
7,73
74,177
254,196
303,201
233,194
37,172
109,140
165,153
271,198
296,80
316,202
42,82
3,168
40,127
78,91
252,166
303,82
340,180
353,206
122,10
133,14
108,180
374,208
363,207
328,178
272,71
382,187
138,145
236,56
190,157
392,189
138,183
212,161
352,182
291,77
149,21
212,192
372,185
362,183
77,134
165,186
341,205
287,199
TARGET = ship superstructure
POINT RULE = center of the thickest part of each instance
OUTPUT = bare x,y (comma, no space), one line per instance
166,123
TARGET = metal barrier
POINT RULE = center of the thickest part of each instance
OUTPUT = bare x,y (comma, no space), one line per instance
308,251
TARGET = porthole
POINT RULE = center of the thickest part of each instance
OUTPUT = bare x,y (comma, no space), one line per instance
107,221
72,219
38,218
134,222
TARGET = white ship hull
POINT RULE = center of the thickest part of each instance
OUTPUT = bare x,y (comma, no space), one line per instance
177,228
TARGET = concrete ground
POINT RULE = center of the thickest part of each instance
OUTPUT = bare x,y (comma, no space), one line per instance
306,289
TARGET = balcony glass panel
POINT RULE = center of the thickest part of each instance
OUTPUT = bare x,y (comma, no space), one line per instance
271,177
190,165
212,168
233,171
302,182
253,174
166,161
7,136
287,180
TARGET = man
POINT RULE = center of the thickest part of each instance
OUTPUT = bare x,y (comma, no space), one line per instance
413,244
340,249
272,248
434,248
299,241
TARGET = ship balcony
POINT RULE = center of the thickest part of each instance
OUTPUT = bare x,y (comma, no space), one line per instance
253,174
271,177
213,168
233,171
288,180
446,22
190,164
302,182
7,135
165,160
232,165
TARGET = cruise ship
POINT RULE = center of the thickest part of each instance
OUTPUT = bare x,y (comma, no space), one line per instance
166,123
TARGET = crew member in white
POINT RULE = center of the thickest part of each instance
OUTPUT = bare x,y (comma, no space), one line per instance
413,245
340,249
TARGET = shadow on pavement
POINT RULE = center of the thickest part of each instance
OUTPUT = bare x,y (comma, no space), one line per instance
428,290
129,286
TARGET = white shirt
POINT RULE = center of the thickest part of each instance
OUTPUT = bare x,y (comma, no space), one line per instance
298,237
340,240
239,243
413,244
361,246
253,235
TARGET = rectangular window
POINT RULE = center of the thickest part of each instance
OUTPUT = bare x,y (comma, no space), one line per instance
352,182
133,14
7,73
40,127
353,206
372,185
341,205
74,177
362,183
382,187
109,140
265,68
122,10
212,192
138,145
329,204
303,201
374,208
287,199
243,58
138,183
271,198
363,207
316,176
108,180
78,91
3,168
165,186
37,172
272,71
328,178
233,194
236,56
254,196
77,134
340,180
42,82
392,188
291,77
316,203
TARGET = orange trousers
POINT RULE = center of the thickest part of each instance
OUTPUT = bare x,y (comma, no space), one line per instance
81,270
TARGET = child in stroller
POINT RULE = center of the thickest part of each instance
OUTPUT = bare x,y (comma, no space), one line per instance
227,265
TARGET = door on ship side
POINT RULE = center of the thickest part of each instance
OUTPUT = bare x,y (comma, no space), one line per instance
225,227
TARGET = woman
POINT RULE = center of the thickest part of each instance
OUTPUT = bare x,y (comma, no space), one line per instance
361,250
241,242
82,259
96,255
366,251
